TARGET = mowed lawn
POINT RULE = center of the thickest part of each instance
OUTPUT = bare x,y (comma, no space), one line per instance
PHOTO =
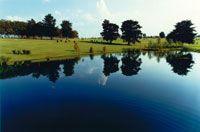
41,49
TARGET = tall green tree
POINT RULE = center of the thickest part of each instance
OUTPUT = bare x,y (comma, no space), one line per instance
31,28
110,31
40,31
131,31
184,32
66,28
49,26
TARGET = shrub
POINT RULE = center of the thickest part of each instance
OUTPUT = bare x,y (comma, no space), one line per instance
14,51
104,49
91,50
19,52
26,52
47,58
76,47
4,60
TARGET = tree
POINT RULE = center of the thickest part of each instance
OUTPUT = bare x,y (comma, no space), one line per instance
181,63
66,28
144,35
69,67
183,32
110,65
40,31
110,31
58,33
131,64
131,31
2,29
31,30
162,35
74,34
49,26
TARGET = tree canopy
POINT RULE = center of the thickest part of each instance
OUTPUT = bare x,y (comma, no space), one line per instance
31,28
66,28
131,31
184,32
162,35
49,26
110,31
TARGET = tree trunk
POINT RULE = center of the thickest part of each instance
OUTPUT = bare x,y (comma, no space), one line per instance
110,41
128,42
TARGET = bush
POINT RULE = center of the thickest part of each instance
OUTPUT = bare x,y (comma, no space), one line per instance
76,47
47,58
19,52
4,60
91,50
104,49
26,52
14,51
23,52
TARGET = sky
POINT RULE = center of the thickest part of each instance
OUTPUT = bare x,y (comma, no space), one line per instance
87,15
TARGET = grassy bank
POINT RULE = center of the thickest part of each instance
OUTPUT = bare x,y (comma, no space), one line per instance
51,49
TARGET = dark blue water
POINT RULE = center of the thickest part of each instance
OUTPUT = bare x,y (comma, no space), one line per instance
149,92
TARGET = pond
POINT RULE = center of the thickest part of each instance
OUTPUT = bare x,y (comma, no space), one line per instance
142,92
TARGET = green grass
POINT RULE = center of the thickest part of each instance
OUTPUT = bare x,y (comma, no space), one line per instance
41,49
194,47
50,49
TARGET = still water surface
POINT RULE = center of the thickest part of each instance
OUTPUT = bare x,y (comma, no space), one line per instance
149,92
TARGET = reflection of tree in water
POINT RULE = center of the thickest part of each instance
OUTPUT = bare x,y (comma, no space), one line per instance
69,67
131,63
110,65
48,69
180,62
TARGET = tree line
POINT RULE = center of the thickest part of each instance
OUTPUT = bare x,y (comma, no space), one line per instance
45,28
184,32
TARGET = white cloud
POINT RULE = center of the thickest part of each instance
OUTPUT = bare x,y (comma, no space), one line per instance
103,10
57,12
46,0
14,18
89,17
103,80
154,16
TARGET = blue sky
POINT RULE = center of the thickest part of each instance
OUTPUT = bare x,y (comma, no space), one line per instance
87,15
